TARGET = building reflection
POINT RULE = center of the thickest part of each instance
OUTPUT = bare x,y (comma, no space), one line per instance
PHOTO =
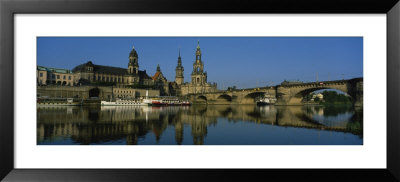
129,124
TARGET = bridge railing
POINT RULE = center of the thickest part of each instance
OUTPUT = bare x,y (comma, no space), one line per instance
290,85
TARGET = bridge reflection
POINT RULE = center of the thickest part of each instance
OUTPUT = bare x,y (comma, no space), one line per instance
99,125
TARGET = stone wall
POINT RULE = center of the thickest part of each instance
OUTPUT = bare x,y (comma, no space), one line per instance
189,88
105,93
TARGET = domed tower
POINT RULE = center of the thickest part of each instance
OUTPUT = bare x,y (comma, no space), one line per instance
179,70
133,65
199,77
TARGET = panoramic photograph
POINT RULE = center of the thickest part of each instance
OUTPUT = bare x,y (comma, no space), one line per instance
199,91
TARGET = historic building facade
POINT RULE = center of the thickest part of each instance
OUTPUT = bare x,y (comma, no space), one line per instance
104,81
160,82
198,82
56,76
90,73
124,80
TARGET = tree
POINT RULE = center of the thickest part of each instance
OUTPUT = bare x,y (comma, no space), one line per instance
232,88
308,97
332,97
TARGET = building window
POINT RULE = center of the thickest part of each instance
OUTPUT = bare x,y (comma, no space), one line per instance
94,78
69,77
64,77
41,74
58,76
103,79
53,76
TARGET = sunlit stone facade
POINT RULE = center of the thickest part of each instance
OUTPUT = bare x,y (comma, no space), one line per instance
88,73
198,82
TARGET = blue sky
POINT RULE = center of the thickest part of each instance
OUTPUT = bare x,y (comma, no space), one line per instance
241,61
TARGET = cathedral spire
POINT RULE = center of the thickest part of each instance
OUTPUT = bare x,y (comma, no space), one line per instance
179,70
198,52
179,58
158,68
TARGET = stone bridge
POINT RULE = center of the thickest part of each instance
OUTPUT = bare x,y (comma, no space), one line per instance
243,96
290,94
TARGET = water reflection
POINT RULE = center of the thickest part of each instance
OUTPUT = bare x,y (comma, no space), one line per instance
213,124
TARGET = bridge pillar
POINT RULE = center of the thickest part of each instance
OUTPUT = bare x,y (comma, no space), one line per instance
285,96
359,94
194,99
359,102
282,101
288,101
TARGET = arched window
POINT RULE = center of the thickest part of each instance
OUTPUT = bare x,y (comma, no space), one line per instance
198,80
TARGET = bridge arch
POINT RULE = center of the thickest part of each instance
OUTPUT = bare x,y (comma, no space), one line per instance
254,95
310,90
251,97
94,92
299,94
225,97
202,98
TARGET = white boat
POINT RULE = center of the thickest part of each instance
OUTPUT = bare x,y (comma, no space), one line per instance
129,102
266,101
168,101
120,102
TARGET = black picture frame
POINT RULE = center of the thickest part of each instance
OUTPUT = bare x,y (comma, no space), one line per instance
8,8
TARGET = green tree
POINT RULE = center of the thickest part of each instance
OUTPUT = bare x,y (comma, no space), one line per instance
332,97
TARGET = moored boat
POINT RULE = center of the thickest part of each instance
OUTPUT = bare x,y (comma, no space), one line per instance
168,101
58,102
127,102
266,101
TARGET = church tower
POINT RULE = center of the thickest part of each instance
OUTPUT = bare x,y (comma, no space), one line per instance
179,70
199,77
133,65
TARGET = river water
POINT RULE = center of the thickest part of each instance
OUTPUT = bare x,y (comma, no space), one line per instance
200,125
